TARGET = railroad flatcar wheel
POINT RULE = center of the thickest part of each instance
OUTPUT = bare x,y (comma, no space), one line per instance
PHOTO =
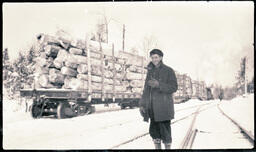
91,109
122,107
82,110
64,111
35,111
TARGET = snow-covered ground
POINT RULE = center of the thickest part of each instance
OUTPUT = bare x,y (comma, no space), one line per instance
96,131
215,131
105,129
179,127
241,110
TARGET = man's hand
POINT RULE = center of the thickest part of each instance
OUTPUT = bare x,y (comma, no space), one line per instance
142,111
153,83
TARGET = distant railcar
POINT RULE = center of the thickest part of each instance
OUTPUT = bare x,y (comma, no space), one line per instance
209,94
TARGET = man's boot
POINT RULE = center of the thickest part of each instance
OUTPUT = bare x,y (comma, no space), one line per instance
157,143
167,145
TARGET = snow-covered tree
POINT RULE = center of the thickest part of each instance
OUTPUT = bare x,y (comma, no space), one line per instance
250,85
22,71
6,64
7,72
241,76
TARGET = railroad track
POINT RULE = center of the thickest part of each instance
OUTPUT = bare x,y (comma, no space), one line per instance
191,133
112,110
246,133
182,118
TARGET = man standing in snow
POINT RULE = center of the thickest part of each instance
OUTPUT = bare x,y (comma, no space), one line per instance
156,102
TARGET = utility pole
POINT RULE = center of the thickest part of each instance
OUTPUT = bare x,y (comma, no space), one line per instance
106,22
123,35
245,79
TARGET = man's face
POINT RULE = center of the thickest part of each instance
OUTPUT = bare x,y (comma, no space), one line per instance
156,59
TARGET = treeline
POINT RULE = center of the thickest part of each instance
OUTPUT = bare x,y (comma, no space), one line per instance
239,86
18,73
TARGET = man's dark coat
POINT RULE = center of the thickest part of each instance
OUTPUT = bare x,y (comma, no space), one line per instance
161,97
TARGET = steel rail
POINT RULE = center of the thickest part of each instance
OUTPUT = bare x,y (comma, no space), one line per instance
247,134
144,134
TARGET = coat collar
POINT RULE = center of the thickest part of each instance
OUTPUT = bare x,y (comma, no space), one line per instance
151,65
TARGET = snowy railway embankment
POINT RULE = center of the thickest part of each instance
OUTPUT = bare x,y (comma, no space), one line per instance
110,127
99,130
241,110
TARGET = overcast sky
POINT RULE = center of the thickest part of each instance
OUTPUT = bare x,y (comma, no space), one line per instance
206,40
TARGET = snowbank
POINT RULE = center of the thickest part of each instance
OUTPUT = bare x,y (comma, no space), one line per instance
241,110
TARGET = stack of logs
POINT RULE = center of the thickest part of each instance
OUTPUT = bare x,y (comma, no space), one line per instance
62,62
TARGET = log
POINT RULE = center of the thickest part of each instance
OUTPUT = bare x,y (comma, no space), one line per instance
80,44
50,63
119,76
52,50
108,88
45,39
82,76
54,71
117,82
76,51
137,90
78,59
96,62
120,88
110,81
135,69
109,65
136,83
43,55
41,62
58,63
108,74
68,71
64,37
55,76
131,59
71,65
96,79
62,55
75,84
96,70
120,60
82,68
57,79
95,55
118,67
41,70
43,81
95,46
133,76
125,83
96,86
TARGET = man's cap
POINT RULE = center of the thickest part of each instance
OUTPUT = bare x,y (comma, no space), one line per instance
156,51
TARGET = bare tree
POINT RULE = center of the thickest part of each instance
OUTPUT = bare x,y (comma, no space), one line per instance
134,51
102,26
149,43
